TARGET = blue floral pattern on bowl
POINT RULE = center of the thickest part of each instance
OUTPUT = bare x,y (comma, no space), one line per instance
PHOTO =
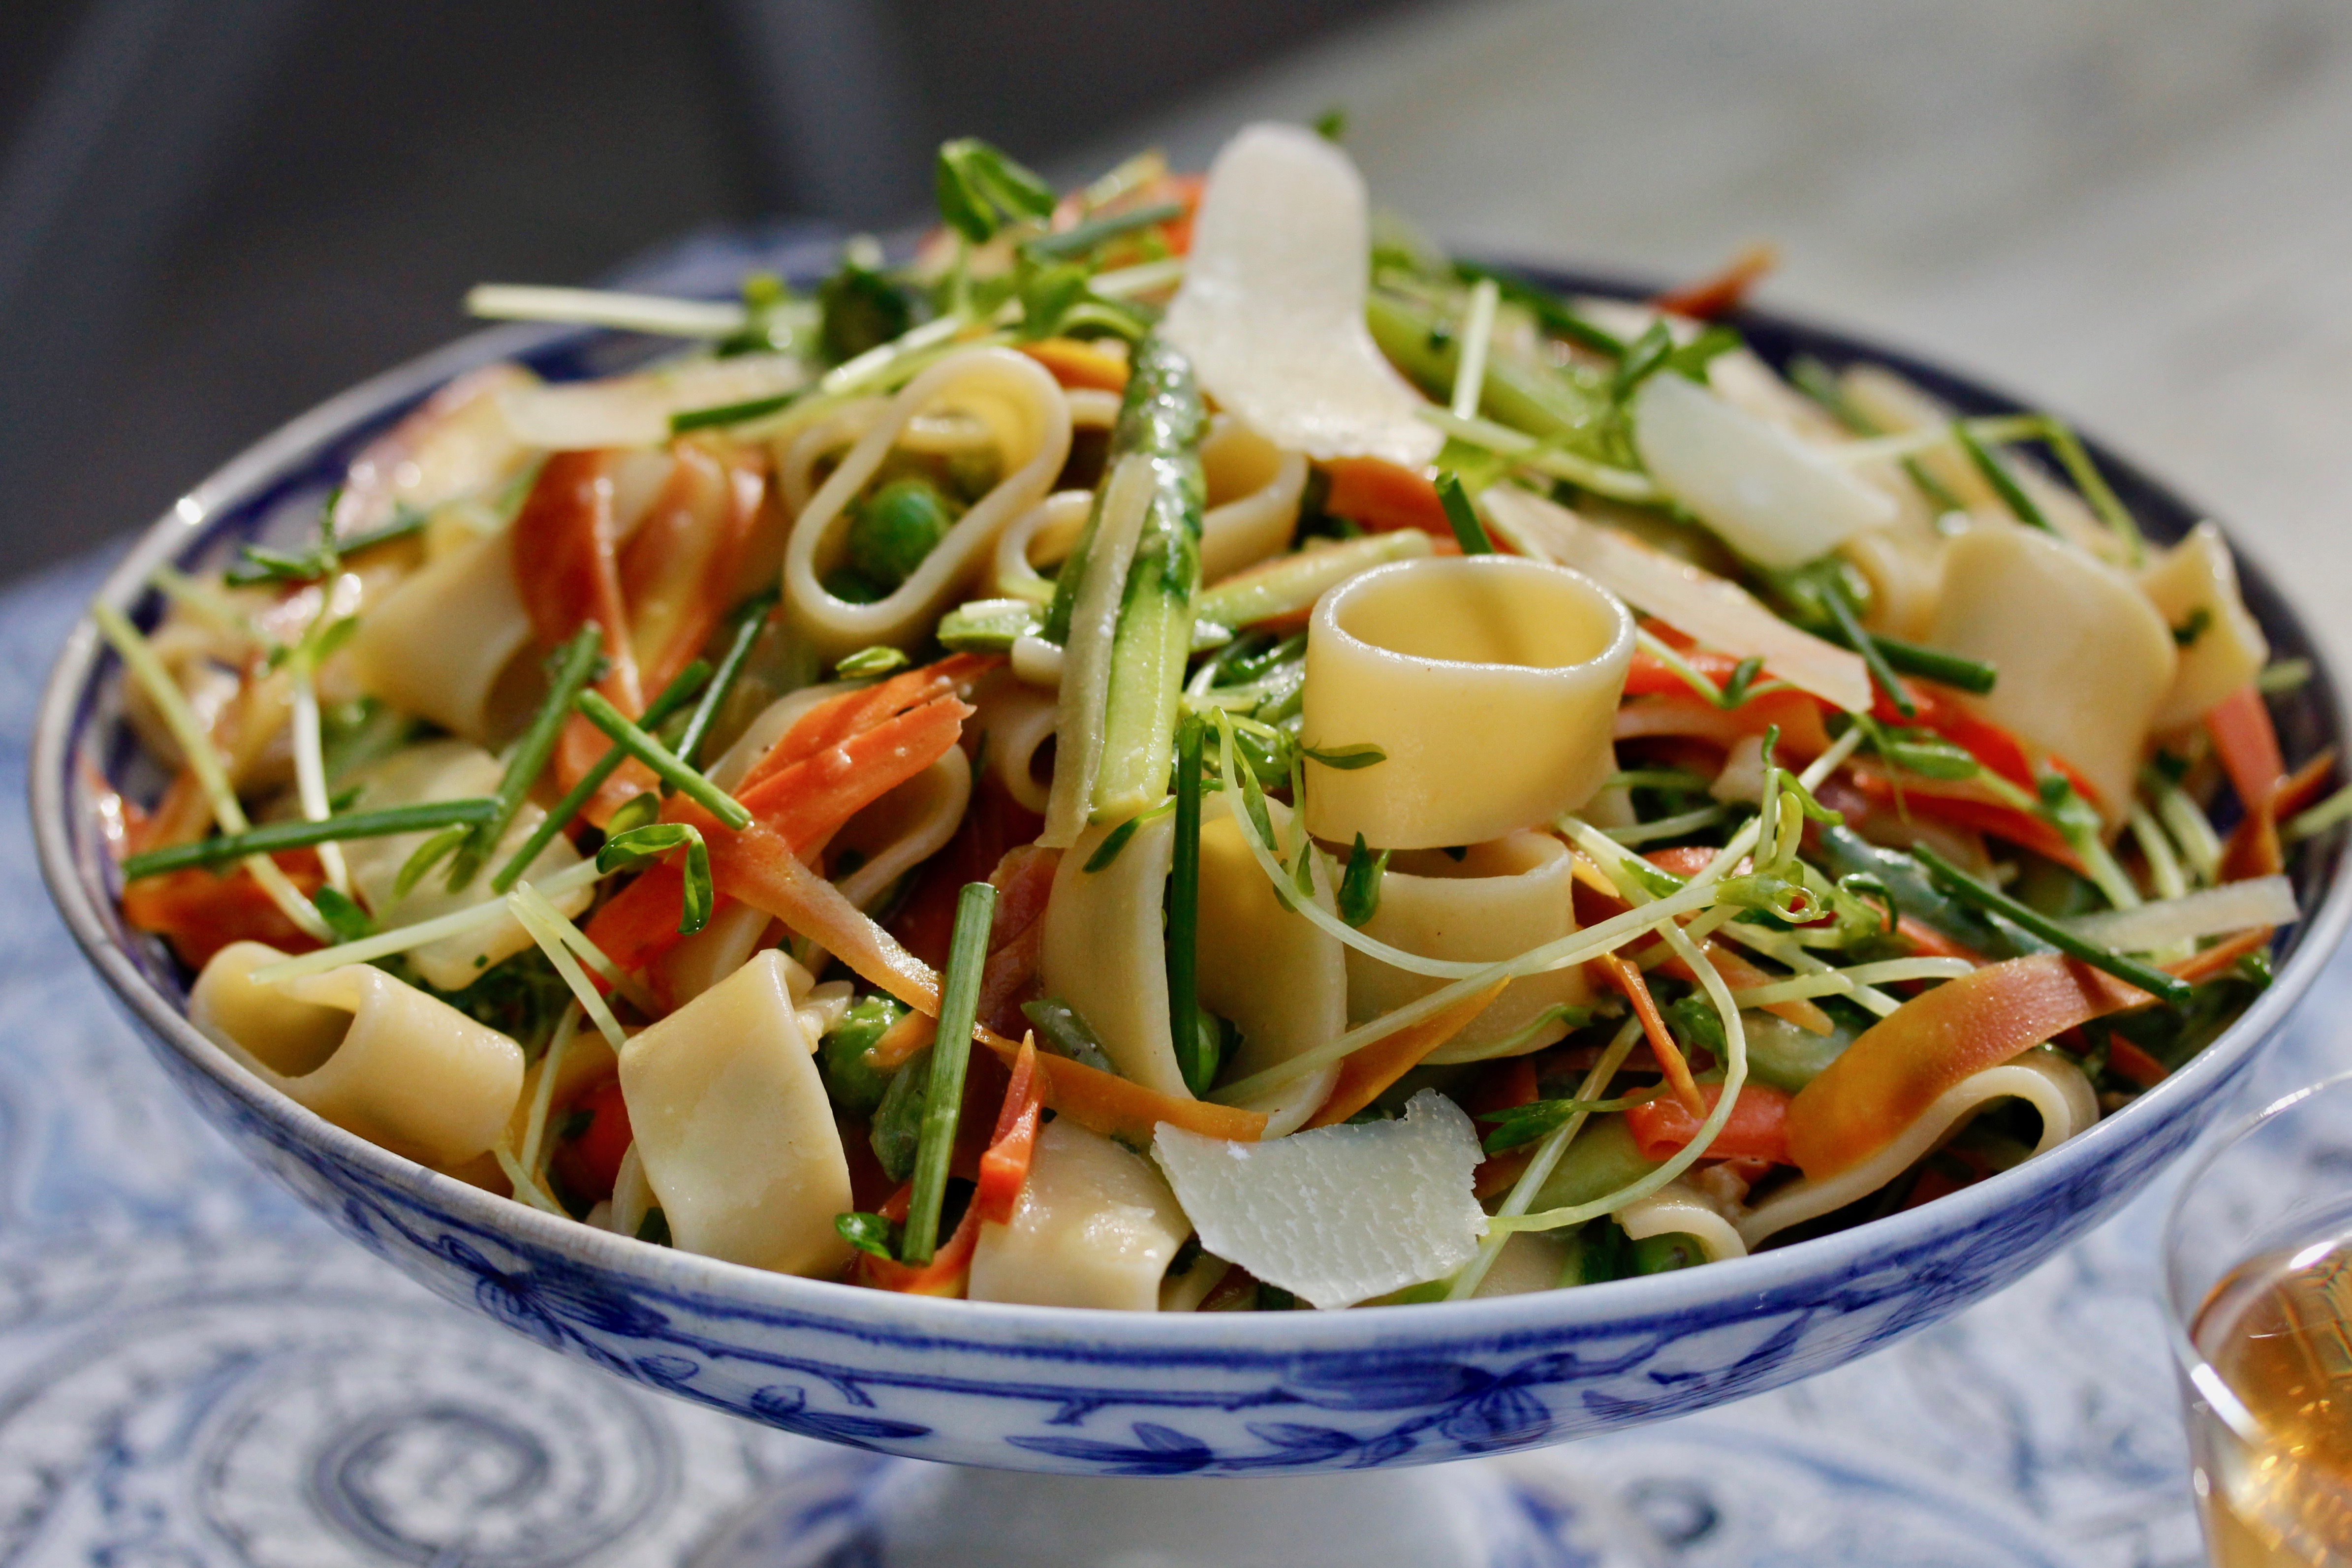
1106,1393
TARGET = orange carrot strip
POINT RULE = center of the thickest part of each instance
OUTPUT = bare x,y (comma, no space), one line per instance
913,1032
944,1275
1726,290
1004,1168
1896,1069
2248,744
1364,1074
2219,956
1626,976
1118,1108
838,719
1382,496
1075,365
1757,1128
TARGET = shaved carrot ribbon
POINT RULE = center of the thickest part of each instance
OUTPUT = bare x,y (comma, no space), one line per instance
1364,1075
566,555
800,803
1902,1064
1626,976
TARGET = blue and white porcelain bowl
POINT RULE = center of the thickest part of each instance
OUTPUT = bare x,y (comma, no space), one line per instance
1103,1393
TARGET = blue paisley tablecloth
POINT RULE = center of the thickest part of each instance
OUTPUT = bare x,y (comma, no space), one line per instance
194,1371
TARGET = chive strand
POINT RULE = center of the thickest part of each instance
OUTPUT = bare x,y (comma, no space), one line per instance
1184,900
722,685
1973,675
1468,532
1873,658
271,837
1086,237
951,1054
2004,483
2170,988
573,670
662,760
672,698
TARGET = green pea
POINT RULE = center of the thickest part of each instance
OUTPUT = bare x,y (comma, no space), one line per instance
899,525
898,1127
1675,1249
852,586
853,1080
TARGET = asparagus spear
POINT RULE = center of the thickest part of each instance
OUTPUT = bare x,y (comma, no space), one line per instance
1123,607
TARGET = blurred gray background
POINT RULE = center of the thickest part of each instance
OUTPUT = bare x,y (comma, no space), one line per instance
211,216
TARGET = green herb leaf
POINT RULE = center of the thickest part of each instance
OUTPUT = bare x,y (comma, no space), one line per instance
2186,634
869,661
869,1233
1113,842
345,918
427,855
1346,758
980,189
1332,124
631,847
1359,888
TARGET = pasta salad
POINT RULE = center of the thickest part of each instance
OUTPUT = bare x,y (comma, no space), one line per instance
1180,749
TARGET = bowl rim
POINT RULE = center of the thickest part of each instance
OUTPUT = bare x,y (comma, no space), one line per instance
1077,1334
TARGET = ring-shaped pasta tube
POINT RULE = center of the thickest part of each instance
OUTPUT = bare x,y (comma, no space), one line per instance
733,1128
1043,534
2054,1085
370,1053
2086,662
1502,897
1679,1209
437,771
1095,1226
1254,487
1030,419
1282,980
1490,682
1018,719
440,643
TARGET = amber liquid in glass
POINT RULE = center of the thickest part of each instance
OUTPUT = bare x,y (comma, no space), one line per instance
2278,1330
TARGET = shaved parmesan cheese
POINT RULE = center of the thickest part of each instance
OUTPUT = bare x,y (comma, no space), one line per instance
1719,614
1272,310
1339,1214
1766,494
